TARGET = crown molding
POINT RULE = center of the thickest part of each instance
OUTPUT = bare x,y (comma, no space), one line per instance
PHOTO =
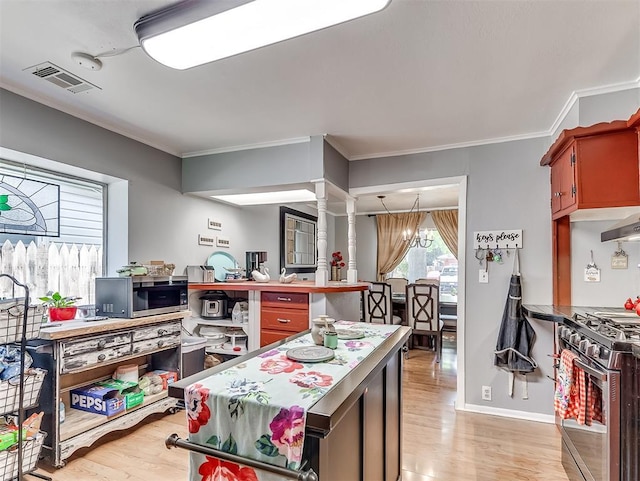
236,148
573,98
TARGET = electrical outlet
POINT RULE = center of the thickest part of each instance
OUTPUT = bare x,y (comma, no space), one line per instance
486,393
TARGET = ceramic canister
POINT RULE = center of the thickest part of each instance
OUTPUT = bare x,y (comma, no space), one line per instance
320,324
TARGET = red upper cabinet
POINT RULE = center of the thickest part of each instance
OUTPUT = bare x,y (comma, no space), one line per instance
594,167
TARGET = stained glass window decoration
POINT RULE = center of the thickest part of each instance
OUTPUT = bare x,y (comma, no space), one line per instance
29,207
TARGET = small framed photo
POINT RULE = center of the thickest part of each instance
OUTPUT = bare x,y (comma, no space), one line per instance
223,241
205,240
215,224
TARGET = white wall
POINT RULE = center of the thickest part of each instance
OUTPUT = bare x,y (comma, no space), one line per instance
615,284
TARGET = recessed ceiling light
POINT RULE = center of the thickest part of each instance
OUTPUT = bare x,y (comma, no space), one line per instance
258,198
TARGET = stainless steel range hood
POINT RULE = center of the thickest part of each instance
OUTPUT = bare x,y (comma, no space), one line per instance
627,229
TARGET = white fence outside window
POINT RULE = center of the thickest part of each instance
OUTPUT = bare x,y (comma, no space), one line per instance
50,266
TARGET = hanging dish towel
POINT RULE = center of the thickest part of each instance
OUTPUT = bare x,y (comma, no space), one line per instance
566,398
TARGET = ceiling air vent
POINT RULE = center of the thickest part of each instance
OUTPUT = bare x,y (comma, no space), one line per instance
61,78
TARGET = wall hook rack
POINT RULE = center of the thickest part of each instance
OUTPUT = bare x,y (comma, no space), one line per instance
498,239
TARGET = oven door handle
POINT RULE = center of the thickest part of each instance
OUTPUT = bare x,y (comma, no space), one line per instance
591,371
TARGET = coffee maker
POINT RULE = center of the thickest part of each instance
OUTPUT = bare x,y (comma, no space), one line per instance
255,262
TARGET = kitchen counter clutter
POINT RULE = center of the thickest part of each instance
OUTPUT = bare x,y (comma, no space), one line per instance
327,403
275,286
105,376
274,310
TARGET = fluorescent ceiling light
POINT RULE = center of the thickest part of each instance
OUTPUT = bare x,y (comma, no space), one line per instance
192,33
258,198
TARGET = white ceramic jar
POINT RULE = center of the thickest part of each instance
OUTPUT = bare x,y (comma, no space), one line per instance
319,325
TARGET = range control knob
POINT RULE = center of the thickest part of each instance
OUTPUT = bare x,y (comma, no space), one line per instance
584,345
574,338
593,350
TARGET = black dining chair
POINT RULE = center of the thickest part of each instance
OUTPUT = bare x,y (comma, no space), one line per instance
377,306
423,316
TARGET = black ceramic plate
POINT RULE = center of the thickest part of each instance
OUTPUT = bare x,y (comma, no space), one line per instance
310,354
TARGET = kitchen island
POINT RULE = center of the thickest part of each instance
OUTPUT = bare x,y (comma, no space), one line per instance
353,431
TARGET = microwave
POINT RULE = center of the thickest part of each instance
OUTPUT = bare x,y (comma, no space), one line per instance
138,296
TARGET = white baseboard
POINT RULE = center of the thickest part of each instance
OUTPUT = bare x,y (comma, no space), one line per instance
509,413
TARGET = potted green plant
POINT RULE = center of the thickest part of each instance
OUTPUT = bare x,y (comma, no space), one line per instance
60,308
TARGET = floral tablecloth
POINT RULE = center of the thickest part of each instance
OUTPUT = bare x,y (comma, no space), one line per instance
257,409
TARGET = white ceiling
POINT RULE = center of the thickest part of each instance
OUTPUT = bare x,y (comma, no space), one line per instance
420,75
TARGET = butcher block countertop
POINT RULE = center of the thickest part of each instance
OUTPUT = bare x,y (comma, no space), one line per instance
78,327
275,286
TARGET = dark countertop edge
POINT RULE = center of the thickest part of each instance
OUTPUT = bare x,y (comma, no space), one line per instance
543,313
329,410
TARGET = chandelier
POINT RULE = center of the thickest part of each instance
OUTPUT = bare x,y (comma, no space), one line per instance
415,237
422,238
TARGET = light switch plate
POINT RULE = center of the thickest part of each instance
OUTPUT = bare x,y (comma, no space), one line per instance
483,276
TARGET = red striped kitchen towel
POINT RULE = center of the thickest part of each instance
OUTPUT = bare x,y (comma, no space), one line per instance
566,398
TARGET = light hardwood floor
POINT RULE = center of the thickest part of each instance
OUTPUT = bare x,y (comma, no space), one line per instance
439,442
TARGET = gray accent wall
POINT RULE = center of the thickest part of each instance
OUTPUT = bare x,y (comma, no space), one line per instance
336,167
508,189
253,168
158,222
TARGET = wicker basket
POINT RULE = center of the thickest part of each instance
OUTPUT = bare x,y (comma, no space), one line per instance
11,319
10,391
160,269
30,454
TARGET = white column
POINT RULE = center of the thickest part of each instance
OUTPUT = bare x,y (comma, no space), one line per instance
322,273
352,273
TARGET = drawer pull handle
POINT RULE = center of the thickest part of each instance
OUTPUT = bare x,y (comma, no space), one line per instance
160,343
286,299
101,343
284,321
102,357
162,332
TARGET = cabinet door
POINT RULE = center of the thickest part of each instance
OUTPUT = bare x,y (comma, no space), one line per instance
607,170
563,182
268,336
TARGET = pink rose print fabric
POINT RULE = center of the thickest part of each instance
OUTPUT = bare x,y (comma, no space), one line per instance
257,409
198,412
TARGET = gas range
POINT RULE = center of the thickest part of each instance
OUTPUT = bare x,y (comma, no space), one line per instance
601,334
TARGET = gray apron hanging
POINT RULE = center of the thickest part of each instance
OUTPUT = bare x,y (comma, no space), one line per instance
516,336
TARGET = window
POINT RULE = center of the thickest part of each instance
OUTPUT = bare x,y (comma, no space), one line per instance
68,262
433,262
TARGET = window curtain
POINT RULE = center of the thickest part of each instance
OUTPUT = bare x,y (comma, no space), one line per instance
391,246
446,222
